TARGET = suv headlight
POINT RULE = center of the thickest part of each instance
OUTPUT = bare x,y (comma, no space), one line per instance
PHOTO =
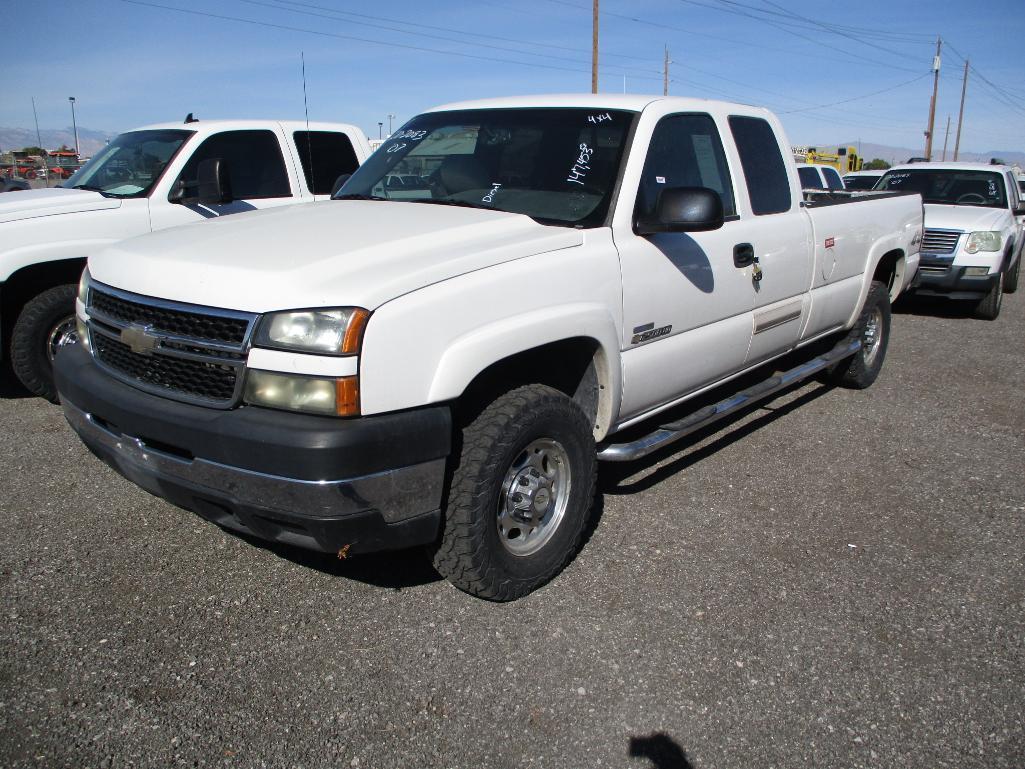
324,331
983,241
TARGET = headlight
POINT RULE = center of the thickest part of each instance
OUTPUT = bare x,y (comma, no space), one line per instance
317,395
83,287
327,331
982,241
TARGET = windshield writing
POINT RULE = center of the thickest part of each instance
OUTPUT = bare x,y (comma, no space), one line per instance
558,166
131,164
955,188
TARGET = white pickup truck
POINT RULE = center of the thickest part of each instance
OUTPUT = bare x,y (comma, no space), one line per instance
144,180
974,219
442,359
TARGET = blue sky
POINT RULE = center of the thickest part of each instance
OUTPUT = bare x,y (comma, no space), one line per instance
132,63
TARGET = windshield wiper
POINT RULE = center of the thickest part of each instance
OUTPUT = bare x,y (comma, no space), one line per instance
449,202
91,188
357,196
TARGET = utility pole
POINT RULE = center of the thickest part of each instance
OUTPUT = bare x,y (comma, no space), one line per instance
39,139
665,74
945,137
594,48
74,125
932,102
960,115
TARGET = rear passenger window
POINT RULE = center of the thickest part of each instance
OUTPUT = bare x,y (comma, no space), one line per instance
325,155
685,151
810,179
766,175
833,178
255,165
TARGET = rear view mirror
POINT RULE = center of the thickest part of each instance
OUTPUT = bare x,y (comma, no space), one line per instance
339,183
683,209
211,186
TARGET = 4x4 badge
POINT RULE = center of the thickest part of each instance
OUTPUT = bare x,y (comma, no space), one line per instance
139,339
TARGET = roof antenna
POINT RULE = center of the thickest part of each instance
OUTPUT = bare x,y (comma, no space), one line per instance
309,139
190,119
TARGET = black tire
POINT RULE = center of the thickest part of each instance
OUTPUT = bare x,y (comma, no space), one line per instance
475,551
33,338
1011,276
988,307
873,329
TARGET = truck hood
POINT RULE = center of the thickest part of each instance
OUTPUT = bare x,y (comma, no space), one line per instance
47,202
332,253
965,218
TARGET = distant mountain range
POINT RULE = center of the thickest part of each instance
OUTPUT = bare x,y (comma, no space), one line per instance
894,155
89,141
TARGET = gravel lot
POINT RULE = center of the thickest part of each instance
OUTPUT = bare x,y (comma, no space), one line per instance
834,580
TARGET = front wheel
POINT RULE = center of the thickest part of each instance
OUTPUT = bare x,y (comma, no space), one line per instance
45,324
873,330
520,496
988,307
1011,278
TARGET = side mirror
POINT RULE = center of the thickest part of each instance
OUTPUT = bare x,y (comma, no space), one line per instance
683,209
339,183
211,186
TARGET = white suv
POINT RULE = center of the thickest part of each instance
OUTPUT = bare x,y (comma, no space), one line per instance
974,217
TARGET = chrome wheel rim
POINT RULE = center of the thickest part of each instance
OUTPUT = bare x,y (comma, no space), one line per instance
872,336
63,333
534,496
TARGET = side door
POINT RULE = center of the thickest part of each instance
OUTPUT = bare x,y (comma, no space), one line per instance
781,235
686,306
256,168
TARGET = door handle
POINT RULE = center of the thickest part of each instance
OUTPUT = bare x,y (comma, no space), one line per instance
744,255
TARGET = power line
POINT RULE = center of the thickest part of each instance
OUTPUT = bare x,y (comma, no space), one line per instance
864,96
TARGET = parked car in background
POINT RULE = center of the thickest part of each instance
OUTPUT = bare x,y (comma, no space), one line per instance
13,184
819,177
973,241
861,180
444,364
144,180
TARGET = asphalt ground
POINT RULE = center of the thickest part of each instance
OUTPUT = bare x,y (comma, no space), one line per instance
833,580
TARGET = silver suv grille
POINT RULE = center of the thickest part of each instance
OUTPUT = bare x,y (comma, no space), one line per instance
940,241
181,351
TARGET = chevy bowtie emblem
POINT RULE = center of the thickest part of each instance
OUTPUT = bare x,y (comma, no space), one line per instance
139,339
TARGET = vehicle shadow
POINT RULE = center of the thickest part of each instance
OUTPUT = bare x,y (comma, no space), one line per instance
662,750
10,387
934,306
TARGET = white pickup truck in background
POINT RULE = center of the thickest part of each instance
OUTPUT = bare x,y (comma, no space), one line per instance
144,180
974,220
443,359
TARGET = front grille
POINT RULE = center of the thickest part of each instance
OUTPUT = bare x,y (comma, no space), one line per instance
940,241
214,328
199,379
190,353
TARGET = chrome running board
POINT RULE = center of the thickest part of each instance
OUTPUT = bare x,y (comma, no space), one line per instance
674,431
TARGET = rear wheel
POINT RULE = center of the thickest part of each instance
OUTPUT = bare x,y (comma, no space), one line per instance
46,324
520,496
873,331
988,307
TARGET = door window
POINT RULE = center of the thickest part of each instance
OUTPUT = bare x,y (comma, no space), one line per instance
255,165
764,171
325,155
685,151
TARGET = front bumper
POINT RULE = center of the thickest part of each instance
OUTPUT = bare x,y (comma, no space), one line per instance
359,485
938,276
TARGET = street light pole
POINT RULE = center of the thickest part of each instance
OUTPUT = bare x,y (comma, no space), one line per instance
390,118
380,125
74,125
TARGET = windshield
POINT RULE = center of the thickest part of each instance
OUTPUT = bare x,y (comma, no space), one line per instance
558,166
860,182
131,164
952,188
